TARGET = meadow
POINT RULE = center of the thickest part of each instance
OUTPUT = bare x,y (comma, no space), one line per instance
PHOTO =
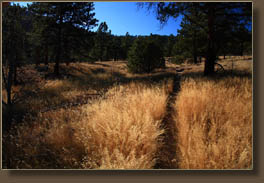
99,116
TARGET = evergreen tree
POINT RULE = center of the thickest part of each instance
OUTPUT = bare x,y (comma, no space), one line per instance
127,42
191,41
116,47
171,40
13,45
216,15
63,15
144,56
101,43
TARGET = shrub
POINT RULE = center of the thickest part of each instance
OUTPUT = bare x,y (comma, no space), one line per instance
145,56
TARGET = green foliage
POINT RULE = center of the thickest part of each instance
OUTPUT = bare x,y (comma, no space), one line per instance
168,47
145,56
62,30
13,44
102,41
212,18
126,44
13,34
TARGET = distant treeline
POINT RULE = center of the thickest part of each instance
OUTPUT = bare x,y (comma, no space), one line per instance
55,32
61,33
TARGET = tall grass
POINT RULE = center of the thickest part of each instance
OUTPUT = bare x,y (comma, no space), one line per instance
214,123
45,143
120,131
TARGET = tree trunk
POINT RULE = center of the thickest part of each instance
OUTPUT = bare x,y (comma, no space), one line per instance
66,52
15,75
241,48
10,83
37,56
115,56
46,54
56,67
211,56
58,55
194,49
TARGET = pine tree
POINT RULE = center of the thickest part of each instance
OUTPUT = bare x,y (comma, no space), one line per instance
217,16
145,55
101,50
13,45
63,15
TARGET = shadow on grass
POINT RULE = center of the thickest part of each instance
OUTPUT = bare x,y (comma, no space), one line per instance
27,109
97,63
98,79
98,70
218,76
103,82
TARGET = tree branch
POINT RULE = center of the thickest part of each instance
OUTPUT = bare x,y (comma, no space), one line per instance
194,22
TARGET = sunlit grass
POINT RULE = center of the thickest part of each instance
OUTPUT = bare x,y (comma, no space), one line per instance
121,131
214,123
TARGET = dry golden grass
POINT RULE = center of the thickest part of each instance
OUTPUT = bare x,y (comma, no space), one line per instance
214,123
45,143
122,132
119,131
122,129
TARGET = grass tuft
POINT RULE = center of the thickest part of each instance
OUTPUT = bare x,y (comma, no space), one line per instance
122,132
214,123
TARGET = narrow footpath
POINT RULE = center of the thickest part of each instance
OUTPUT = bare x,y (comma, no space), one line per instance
168,151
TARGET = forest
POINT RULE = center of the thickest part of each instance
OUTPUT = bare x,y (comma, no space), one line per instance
75,98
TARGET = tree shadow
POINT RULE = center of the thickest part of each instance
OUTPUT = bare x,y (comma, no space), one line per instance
218,76
97,63
98,70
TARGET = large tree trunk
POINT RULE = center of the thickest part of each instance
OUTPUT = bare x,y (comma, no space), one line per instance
211,55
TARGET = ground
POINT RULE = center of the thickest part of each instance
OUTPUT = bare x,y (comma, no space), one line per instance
40,96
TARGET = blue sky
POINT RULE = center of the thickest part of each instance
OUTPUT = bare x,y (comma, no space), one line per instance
122,17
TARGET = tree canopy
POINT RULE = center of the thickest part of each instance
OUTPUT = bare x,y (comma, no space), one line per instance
63,19
211,17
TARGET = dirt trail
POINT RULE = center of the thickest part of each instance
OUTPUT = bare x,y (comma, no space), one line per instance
167,153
